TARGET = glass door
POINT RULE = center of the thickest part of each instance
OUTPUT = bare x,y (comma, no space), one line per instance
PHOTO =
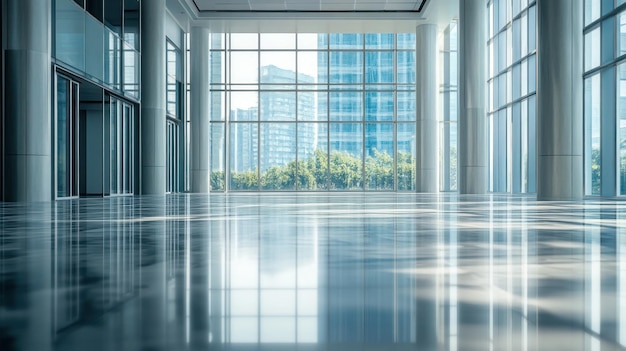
66,146
121,147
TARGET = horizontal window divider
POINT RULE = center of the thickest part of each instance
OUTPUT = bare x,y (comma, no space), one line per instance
510,104
600,68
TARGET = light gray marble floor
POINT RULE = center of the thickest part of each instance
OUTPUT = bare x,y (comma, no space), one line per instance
317,271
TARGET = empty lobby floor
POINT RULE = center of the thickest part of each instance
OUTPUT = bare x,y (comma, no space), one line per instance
313,271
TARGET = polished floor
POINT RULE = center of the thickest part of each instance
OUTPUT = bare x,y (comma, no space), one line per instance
313,272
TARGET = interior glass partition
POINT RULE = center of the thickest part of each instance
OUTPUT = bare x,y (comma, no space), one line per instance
120,147
66,140
313,111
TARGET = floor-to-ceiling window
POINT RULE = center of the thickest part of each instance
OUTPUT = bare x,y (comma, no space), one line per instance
313,112
448,112
604,97
175,117
512,95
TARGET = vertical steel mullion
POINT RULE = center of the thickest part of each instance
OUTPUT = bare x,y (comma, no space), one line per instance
363,123
258,117
395,112
328,151
296,185
226,111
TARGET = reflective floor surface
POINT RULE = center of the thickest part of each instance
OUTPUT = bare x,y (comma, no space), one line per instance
313,272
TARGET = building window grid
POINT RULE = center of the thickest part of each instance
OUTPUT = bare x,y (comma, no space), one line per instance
507,93
327,88
595,136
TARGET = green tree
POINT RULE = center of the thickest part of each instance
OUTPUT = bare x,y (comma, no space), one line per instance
217,180
345,171
379,171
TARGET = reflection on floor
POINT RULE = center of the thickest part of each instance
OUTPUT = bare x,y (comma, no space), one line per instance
313,272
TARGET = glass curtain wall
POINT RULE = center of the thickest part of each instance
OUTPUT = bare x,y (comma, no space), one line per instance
448,143
312,112
512,95
605,97
99,40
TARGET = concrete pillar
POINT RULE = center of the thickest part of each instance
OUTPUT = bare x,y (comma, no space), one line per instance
560,100
472,93
153,86
28,115
200,110
426,71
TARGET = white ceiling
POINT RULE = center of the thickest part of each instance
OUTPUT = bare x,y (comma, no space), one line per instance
439,12
308,5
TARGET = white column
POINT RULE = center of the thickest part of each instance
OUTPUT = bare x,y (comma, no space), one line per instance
153,86
200,110
560,100
426,70
472,93
28,114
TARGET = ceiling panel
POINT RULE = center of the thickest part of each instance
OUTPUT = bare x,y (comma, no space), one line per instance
308,5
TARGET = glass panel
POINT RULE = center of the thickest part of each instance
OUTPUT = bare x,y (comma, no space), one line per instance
379,106
592,10
346,156
127,149
244,106
310,41
244,41
379,148
346,67
94,36
131,23
218,156
592,134
63,152
524,33
131,71
218,103
278,106
312,156
346,106
532,144
278,156
113,151
95,8
218,67
246,67
406,67
312,67
406,41
312,106
345,41
280,41
278,67
621,120
621,34
406,106
532,74
406,156
244,156
113,15
112,60
532,29
70,34
379,67
592,49
379,41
